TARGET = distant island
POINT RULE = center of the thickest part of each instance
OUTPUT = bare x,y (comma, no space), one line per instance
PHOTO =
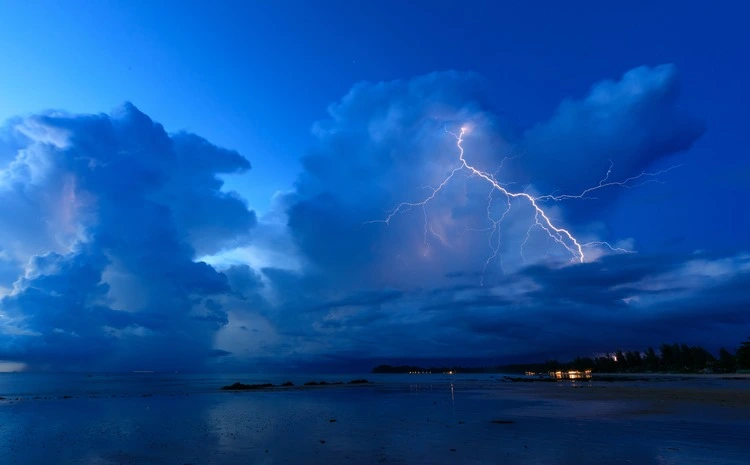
671,358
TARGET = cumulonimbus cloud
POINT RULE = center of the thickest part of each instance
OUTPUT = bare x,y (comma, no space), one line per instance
100,265
103,217
386,143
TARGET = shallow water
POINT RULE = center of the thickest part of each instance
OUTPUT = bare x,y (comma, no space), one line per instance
60,384
423,419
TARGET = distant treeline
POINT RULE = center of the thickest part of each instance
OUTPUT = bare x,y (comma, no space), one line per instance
671,358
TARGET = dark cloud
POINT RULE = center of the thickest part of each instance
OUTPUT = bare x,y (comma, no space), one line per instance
218,353
386,143
243,279
112,217
363,299
620,302
125,208
630,123
382,144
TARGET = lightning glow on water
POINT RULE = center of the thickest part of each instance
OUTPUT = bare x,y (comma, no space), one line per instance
561,235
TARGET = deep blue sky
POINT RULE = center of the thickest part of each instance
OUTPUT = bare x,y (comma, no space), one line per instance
257,77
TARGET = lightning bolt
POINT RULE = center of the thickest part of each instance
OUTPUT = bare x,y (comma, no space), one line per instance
557,233
605,182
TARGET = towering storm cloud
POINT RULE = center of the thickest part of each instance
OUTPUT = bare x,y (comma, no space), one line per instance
120,249
103,216
419,284
387,143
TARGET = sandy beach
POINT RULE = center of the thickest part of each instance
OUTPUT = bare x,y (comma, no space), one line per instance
432,419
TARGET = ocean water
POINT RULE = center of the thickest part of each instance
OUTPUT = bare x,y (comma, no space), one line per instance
122,384
425,419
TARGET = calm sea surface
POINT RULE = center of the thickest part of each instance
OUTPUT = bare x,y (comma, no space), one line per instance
81,384
406,419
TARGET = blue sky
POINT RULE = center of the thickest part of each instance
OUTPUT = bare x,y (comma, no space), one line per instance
304,97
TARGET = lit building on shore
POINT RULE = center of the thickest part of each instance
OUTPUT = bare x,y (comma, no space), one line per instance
570,374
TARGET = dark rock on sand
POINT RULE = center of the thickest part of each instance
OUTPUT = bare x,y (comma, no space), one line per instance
246,387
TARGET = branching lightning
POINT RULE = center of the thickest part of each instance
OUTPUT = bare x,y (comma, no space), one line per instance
542,220
605,182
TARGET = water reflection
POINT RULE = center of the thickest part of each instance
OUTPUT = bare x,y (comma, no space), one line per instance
419,387
357,425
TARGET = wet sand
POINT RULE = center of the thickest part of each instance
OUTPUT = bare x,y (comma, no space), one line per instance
655,390
456,421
